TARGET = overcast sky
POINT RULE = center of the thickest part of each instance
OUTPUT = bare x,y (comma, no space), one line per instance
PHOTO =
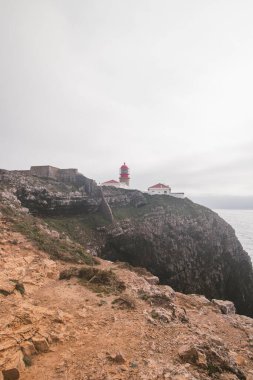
164,85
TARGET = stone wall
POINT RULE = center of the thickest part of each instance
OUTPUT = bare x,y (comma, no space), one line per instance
45,171
64,175
67,175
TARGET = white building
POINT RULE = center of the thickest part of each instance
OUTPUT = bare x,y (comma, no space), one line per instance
160,188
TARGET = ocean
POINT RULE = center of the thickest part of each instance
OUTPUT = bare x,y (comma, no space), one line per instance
242,222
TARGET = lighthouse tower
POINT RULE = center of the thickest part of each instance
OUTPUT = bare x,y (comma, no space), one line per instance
124,175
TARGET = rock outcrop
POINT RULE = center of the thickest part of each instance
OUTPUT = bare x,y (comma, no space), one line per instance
189,247
46,196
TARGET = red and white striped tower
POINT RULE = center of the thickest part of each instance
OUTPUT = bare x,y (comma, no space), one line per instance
124,174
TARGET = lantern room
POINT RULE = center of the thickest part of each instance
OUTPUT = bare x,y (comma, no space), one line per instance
124,174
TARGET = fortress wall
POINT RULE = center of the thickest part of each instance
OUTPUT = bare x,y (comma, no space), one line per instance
67,175
44,171
53,172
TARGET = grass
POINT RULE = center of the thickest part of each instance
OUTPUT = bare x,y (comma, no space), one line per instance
175,206
101,281
95,279
159,299
138,270
80,228
57,248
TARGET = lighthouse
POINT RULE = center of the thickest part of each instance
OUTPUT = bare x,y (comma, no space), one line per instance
124,175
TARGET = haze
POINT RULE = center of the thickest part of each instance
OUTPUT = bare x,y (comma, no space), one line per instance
164,85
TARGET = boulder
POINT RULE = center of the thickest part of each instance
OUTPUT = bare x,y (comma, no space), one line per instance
152,280
212,356
162,315
226,307
158,296
188,353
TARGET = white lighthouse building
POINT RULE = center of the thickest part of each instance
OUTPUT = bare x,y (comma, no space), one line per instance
160,188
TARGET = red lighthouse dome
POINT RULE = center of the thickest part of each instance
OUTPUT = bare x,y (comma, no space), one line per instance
124,174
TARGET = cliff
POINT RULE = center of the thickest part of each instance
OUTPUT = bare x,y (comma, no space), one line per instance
67,314
189,247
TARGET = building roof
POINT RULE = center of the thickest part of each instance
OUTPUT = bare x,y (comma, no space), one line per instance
159,186
124,166
111,181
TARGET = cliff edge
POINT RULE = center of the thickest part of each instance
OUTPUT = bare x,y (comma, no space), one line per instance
188,246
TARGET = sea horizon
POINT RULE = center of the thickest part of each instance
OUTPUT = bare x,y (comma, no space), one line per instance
242,222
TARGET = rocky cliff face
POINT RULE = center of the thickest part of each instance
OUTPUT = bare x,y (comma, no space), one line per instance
188,246
51,197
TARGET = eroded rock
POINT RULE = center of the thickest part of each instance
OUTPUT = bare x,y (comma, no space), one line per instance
226,307
213,356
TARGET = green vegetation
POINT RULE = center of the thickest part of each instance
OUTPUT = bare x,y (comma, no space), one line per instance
89,221
101,281
36,231
139,270
175,206
129,212
95,279
80,228
159,299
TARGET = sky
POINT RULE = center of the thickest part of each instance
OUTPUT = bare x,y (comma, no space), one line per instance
165,86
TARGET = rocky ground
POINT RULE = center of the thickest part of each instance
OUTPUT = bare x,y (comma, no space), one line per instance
61,320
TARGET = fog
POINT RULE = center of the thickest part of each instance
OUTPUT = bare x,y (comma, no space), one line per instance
165,86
